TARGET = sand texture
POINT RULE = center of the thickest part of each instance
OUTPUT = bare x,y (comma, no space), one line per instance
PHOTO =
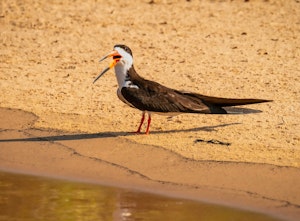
236,49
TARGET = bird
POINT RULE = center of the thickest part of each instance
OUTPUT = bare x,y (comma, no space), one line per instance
151,97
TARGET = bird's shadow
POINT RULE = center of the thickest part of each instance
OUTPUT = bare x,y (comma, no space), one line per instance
86,136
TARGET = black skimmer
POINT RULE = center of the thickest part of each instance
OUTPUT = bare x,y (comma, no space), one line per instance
152,97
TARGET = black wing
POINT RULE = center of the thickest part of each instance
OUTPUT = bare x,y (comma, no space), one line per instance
225,102
154,97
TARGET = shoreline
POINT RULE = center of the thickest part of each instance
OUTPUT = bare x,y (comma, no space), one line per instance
109,160
75,129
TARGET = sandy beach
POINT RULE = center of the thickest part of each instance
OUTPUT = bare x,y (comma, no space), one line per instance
55,122
108,159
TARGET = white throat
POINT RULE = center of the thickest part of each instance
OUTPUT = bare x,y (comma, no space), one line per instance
121,74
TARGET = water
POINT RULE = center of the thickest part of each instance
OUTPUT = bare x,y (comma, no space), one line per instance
24,197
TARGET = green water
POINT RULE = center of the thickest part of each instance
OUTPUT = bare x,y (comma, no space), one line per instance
32,198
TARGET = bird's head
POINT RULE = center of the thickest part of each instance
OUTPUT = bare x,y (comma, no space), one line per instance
122,58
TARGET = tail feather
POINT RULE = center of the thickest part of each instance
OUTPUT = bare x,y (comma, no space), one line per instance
226,102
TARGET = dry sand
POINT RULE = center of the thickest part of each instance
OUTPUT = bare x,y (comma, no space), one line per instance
239,49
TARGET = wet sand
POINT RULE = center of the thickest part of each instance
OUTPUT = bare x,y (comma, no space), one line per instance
114,160
237,49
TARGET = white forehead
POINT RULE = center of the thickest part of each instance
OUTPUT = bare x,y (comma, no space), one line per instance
125,55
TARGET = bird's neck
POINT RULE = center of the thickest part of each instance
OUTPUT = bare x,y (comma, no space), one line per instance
126,77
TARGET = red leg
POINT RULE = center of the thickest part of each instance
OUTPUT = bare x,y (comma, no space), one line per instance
149,122
142,121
